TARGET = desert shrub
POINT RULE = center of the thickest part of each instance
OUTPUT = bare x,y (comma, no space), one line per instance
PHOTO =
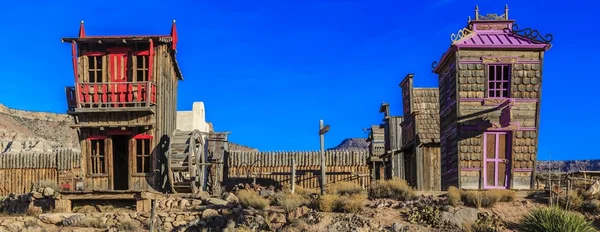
487,222
328,203
428,215
351,204
394,189
345,188
554,219
290,202
305,192
571,201
252,199
486,199
592,206
453,196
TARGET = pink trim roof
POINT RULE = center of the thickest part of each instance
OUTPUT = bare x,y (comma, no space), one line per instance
498,39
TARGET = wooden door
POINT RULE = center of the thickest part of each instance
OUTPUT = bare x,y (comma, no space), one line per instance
496,153
118,76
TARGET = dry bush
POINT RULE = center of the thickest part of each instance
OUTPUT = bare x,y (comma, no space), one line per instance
328,203
487,198
453,196
474,198
290,202
574,200
351,204
305,192
393,189
345,188
252,199
504,194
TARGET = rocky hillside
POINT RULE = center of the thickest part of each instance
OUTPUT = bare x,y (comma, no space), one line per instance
352,144
568,165
22,130
34,131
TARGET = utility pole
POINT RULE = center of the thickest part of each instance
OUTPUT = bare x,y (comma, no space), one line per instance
322,131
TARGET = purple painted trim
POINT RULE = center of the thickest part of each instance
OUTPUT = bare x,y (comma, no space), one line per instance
470,169
523,169
481,62
478,127
482,100
495,160
522,46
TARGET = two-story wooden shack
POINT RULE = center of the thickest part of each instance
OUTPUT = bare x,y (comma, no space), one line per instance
490,89
124,104
420,136
376,150
392,159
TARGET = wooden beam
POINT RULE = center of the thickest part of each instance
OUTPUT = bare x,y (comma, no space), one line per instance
110,125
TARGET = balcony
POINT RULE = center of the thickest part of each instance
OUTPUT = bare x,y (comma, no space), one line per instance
111,97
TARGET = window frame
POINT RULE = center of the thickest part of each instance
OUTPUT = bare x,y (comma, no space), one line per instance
98,71
146,67
90,157
149,157
505,92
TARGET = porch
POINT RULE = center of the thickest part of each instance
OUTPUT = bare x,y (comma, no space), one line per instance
111,97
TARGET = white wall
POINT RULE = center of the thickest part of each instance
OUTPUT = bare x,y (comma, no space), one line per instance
194,119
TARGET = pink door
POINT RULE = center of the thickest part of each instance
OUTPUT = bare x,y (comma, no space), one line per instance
496,153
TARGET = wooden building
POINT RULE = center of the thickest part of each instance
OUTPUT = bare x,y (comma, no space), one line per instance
392,159
490,89
420,136
124,107
376,141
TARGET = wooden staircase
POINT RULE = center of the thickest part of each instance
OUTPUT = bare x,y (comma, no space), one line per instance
187,162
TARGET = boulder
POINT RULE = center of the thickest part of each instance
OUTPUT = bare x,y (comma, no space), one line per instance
266,192
202,195
460,217
231,198
209,213
48,192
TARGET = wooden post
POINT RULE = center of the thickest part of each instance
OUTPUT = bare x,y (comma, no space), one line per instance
293,175
322,151
152,215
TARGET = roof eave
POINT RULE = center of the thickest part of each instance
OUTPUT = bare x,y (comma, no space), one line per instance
510,46
95,39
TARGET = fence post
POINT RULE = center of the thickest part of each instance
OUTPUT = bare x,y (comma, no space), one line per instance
293,175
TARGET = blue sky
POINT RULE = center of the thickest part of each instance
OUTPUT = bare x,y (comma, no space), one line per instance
269,70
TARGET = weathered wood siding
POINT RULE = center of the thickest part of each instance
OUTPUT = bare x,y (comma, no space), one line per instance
166,107
393,145
447,80
19,172
474,111
274,168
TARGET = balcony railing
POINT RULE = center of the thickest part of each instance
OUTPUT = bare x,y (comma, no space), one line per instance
111,95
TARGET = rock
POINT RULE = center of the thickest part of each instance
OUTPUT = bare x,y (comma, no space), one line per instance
54,218
202,195
183,203
460,217
179,223
169,203
122,217
48,192
196,202
37,195
16,226
218,202
397,227
238,210
594,188
276,220
225,212
298,213
35,210
72,220
230,197
266,192
162,204
209,213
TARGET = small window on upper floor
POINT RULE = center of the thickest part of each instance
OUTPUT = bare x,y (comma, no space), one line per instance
141,68
94,69
499,81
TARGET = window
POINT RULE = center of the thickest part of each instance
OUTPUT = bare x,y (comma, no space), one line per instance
141,68
499,81
97,156
94,69
143,154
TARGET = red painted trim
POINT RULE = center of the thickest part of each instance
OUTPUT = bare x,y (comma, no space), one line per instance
150,60
141,53
143,136
119,132
118,50
174,35
96,137
81,30
74,53
94,53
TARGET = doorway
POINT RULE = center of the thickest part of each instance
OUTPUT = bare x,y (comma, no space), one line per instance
120,151
496,155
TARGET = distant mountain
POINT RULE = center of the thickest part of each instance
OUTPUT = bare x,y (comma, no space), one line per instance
352,144
568,165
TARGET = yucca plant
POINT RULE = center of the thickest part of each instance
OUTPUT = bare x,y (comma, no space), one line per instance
554,219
